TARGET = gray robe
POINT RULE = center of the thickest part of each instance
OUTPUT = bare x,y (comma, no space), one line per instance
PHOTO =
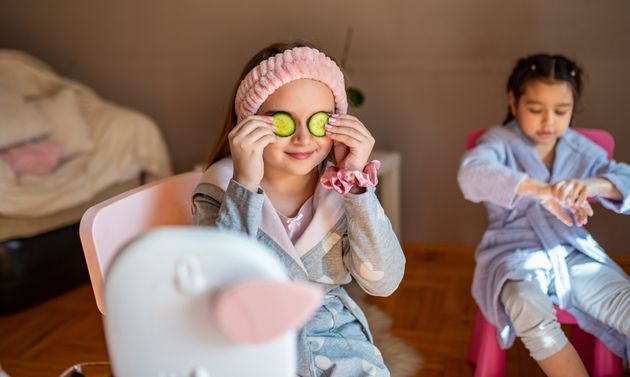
520,226
349,237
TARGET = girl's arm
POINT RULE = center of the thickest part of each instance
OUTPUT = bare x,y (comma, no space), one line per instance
606,180
603,188
372,252
484,177
548,198
611,185
236,209
240,207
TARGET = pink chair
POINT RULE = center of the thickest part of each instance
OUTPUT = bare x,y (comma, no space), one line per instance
485,351
106,227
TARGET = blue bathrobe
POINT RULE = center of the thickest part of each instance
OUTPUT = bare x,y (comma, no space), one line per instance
518,225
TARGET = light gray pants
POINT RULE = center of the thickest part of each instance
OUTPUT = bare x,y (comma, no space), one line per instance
596,289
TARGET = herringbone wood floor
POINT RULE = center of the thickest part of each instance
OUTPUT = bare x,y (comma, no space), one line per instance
432,311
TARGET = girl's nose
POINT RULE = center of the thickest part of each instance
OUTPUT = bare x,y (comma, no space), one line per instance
548,118
301,135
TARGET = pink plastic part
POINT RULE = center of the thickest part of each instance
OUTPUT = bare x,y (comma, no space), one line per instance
107,226
485,351
606,363
489,359
584,344
600,137
257,311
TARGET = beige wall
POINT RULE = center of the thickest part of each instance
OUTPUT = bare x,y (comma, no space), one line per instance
431,70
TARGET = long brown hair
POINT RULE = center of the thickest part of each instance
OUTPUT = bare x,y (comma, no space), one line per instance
222,148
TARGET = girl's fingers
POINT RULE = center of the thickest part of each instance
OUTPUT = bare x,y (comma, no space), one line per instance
265,140
583,216
563,216
554,207
348,131
558,190
248,126
576,193
582,213
570,192
256,134
262,118
345,139
583,196
590,209
587,207
349,121
567,188
250,123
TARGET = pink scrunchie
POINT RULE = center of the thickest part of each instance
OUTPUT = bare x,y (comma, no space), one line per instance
342,180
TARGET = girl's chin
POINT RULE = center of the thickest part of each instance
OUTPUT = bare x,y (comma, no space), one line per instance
296,168
543,139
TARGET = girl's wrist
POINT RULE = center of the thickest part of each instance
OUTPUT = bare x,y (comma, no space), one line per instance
534,188
353,166
246,183
599,186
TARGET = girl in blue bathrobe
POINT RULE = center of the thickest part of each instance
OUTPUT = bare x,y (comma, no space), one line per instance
534,174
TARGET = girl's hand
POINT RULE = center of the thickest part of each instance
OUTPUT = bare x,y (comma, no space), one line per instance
582,213
545,194
248,140
555,208
352,142
571,192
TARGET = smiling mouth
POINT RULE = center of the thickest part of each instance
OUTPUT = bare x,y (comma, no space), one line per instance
300,155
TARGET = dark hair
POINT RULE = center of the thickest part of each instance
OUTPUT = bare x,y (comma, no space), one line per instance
222,148
547,68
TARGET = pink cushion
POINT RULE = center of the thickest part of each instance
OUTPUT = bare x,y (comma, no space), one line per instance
33,158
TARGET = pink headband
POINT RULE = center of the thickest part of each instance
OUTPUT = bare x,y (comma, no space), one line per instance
278,70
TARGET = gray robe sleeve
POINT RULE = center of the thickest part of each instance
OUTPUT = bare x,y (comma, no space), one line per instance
483,176
236,209
372,252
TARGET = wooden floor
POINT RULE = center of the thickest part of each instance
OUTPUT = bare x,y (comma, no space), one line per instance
432,311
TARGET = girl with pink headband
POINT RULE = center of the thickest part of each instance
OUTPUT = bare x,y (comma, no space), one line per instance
291,169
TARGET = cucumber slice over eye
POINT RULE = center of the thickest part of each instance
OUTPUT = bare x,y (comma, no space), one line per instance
285,125
317,124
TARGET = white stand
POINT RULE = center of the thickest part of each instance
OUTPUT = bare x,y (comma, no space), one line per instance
388,189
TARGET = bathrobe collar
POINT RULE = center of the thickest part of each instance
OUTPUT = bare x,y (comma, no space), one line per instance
328,208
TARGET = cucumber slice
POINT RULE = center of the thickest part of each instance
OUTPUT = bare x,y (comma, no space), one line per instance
285,125
317,124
